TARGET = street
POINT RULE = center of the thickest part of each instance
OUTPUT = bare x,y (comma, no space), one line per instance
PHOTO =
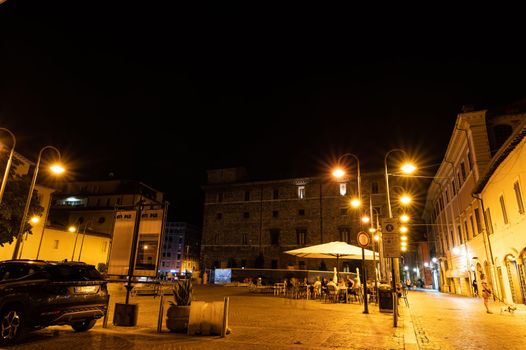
262,321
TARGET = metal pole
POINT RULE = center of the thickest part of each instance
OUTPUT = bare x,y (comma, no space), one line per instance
394,261
133,249
83,236
28,202
364,273
75,244
161,312
44,225
8,165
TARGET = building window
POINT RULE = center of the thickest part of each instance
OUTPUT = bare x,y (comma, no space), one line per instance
301,212
470,161
98,202
244,239
274,236
301,236
345,234
274,264
459,181
377,211
463,170
468,237
460,240
275,194
453,187
55,244
447,196
518,196
246,215
343,211
343,189
219,216
108,202
275,213
472,225
219,197
374,187
247,196
178,256
301,192
504,212
489,222
477,220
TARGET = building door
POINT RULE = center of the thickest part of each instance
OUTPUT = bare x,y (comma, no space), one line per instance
501,283
513,277
522,277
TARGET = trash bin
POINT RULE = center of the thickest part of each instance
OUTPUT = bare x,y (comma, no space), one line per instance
385,296
125,315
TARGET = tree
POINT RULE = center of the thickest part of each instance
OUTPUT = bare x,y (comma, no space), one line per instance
14,201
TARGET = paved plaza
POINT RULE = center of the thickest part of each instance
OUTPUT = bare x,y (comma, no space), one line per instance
263,321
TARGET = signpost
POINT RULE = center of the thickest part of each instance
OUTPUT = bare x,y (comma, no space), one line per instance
391,242
363,241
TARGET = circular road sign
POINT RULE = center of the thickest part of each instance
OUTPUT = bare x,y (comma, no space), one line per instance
363,239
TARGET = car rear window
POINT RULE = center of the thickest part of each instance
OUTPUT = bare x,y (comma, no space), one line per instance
74,273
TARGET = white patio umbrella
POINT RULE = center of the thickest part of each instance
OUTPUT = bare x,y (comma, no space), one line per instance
332,250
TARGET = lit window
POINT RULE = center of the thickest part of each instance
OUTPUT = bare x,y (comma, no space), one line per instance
343,189
301,192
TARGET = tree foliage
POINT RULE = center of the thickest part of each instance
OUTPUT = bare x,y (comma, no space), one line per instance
14,200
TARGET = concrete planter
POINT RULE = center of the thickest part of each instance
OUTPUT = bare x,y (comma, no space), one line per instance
177,318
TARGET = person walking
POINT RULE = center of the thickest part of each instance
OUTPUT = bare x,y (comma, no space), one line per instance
475,288
486,293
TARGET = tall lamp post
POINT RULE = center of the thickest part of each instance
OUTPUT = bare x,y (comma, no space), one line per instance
8,165
356,203
373,231
395,261
57,169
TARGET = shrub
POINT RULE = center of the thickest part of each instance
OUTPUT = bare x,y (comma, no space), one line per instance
182,291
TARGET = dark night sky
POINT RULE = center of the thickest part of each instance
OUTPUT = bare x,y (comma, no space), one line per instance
160,93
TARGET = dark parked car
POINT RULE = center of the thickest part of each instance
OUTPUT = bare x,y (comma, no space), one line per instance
35,294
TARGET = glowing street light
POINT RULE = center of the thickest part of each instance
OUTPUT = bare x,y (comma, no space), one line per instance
35,220
356,203
28,201
404,218
405,199
408,168
365,219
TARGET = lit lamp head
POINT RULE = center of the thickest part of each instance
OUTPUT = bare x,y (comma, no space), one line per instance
365,219
408,168
376,237
338,173
356,203
434,260
406,267
404,229
372,230
57,168
404,218
405,199
72,229
35,219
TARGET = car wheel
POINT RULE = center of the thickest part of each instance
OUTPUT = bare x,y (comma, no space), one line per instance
83,326
11,326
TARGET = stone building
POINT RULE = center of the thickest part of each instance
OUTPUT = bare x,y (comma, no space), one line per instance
475,208
251,223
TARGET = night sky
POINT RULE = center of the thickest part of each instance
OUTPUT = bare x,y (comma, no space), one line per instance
160,93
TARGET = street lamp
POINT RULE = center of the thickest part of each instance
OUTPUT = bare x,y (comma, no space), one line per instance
339,173
8,165
395,264
355,203
55,168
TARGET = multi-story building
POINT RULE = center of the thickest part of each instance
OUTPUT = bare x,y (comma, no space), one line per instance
180,248
109,208
474,204
251,223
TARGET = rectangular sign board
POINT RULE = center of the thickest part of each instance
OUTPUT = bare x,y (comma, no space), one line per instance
391,245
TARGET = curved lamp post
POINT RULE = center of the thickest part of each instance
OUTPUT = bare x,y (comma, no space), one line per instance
395,261
339,173
57,169
8,165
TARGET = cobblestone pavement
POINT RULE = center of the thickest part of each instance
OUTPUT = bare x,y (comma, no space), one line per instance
443,321
261,321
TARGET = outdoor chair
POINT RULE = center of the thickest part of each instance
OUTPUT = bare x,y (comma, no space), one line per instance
331,294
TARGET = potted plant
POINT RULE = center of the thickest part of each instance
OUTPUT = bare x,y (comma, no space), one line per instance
178,313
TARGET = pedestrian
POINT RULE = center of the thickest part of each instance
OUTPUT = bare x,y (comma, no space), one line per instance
475,288
486,293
